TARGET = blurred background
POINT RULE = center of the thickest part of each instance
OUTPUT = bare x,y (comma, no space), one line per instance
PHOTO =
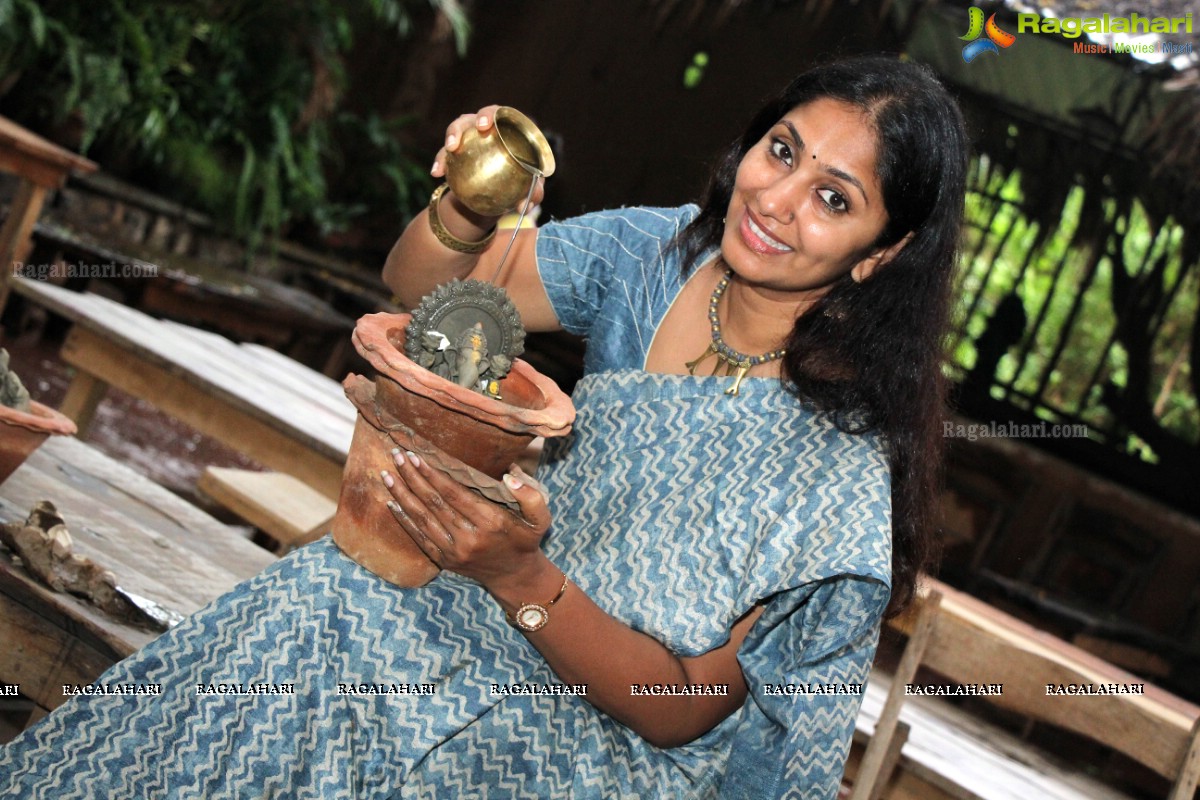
291,140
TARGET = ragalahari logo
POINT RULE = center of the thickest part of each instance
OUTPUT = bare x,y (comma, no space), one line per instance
995,40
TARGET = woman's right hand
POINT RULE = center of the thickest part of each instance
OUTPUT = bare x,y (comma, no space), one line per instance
483,121
420,262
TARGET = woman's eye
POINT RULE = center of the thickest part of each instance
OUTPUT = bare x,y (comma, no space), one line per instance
834,201
781,151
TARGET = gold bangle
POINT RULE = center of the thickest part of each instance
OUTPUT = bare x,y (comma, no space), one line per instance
532,617
444,235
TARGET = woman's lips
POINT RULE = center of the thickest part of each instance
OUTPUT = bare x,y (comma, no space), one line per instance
758,240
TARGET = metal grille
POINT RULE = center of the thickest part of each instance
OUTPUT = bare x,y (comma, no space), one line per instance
1089,322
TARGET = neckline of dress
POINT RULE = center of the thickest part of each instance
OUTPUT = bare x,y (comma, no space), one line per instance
665,386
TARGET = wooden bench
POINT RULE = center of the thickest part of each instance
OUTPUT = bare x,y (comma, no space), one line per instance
201,293
40,166
283,507
159,547
949,754
282,414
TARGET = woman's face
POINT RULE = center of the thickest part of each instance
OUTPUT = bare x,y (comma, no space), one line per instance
806,203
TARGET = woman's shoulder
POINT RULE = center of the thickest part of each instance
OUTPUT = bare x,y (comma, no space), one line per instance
649,222
619,265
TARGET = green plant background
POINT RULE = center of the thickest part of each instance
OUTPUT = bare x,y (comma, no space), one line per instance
1049,269
230,106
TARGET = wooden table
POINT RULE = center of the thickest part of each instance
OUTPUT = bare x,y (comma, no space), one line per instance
198,292
948,750
40,165
945,752
277,411
159,547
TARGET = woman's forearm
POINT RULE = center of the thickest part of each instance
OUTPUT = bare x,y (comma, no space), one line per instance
462,532
585,645
419,262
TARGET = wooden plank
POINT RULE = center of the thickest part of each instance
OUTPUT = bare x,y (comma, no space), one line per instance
872,770
153,541
36,292
157,546
891,758
83,396
286,509
1101,494
1189,773
176,395
144,562
210,363
71,305
31,172
168,302
37,158
74,615
903,785
41,165
200,292
975,643
284,392
318,387
14,235
266,407
40,656
965,758
154,508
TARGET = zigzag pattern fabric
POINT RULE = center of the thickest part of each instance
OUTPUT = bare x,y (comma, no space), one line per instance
706,505
676,508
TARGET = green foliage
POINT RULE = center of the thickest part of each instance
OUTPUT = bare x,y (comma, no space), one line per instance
694,73
1068,285
230,105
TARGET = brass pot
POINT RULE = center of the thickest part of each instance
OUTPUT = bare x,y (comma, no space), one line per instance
491,173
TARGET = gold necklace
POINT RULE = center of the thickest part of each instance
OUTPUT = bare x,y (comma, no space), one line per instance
735,362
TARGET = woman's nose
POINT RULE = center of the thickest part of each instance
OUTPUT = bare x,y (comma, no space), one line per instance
780,199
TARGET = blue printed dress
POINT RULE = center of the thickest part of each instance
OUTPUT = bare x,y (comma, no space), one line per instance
676,508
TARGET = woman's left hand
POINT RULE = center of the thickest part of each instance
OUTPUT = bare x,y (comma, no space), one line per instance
465,533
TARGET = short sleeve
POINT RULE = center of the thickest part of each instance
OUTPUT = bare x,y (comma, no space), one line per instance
806,663
584,260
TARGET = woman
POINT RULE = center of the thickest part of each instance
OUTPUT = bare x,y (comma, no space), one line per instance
712,566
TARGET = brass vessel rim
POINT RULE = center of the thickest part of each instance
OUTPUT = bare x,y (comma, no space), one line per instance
532,134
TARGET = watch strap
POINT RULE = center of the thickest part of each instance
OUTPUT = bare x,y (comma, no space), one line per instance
531,617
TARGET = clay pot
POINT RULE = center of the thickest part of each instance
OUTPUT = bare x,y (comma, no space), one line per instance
23,432
471,437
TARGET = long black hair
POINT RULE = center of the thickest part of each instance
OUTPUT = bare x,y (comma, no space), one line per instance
870,353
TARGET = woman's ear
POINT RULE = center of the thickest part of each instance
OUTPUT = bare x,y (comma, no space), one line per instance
866,268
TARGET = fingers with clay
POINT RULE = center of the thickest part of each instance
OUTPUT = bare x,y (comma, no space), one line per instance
458,528
415,520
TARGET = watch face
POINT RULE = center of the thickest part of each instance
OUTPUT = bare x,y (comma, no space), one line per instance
531,617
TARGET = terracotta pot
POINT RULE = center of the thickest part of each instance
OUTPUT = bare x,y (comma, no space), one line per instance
469,436
21,433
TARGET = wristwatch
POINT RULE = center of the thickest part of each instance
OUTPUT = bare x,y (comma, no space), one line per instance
532,617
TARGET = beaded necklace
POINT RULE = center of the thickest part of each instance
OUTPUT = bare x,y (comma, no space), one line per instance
735,362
